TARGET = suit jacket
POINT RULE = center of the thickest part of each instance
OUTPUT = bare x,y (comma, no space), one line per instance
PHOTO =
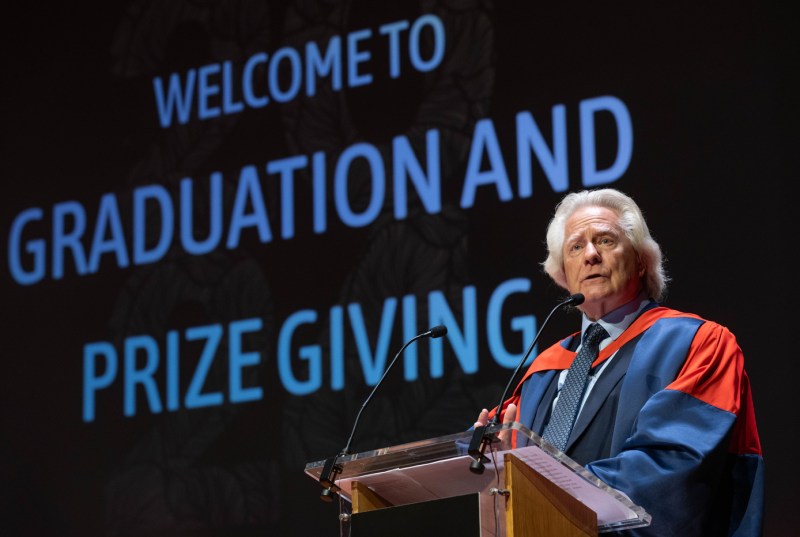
670,423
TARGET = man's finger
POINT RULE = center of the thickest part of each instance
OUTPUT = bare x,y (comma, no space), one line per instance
483,418
511,413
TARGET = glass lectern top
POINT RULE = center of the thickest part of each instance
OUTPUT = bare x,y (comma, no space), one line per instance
439,467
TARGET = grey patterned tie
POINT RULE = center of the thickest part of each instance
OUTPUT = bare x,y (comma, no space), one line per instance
569,398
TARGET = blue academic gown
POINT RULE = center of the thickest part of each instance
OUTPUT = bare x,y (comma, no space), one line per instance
670,423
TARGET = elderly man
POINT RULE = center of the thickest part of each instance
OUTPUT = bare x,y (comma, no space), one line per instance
653,401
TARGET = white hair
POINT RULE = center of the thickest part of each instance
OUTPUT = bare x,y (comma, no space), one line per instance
631,221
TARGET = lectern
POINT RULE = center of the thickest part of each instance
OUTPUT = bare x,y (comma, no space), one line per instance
426,488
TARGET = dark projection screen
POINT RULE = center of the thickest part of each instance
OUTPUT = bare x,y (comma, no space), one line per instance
223,219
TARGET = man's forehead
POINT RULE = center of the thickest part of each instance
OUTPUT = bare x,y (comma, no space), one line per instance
594,221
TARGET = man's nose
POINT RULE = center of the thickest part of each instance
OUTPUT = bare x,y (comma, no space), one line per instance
591,254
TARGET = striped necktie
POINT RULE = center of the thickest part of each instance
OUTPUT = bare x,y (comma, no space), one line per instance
560,425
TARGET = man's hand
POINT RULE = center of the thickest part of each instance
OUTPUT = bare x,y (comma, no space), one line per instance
509,416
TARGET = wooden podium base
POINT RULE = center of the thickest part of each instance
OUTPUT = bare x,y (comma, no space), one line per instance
534,507
537,507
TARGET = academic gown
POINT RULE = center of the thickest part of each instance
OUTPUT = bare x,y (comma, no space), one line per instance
670,423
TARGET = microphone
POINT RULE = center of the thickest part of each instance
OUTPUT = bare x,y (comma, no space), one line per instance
330,470
480,440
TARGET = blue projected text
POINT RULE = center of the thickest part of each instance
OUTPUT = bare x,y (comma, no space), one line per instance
147,372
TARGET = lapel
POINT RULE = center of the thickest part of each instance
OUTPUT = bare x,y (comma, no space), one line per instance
543,410
613,374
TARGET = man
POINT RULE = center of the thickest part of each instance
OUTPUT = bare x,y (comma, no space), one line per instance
666,414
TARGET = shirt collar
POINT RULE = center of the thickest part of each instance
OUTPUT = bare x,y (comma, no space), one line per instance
617,321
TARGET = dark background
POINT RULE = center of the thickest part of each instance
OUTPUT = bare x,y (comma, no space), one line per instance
712,98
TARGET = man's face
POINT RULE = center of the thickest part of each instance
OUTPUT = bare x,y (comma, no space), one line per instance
599,261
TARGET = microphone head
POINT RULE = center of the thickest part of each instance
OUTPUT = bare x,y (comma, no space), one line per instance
576,299
439,330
